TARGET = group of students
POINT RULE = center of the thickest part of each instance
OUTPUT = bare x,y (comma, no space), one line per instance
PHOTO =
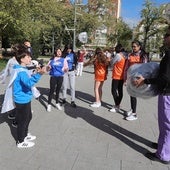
21,87
61,68
163,83
20,91
120,66
119,63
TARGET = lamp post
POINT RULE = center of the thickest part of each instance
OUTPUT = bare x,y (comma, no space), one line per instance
75,20
74,30
74,26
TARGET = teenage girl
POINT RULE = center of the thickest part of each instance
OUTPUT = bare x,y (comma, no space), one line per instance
100,62
57,67
137,56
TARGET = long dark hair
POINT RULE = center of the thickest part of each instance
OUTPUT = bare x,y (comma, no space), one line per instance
119,48
143,54
68,46
55,52
100,56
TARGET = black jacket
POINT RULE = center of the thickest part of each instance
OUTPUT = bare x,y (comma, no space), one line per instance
163,79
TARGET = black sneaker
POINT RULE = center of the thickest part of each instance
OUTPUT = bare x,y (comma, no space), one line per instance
64,101
14,124
153,157
11,116
73,104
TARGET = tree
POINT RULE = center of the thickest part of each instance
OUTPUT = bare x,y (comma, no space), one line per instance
41,22
105,20
150,25
122,34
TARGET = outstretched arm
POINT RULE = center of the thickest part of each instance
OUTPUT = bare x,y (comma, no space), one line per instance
90,61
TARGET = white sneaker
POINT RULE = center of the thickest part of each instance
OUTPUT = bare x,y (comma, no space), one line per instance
49,108
58,106
114,109
25,144
95,104
133,116
128,113
30,137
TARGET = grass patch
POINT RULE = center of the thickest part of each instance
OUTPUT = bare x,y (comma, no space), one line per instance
3,63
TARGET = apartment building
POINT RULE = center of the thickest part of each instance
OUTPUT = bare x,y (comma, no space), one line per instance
108,7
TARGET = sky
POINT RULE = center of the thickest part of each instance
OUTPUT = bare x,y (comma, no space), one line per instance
130,10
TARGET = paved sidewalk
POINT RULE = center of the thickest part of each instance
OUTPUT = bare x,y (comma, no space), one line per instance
83,138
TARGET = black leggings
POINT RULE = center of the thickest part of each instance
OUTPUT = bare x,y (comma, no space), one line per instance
23,118
55,85
133,102
117,91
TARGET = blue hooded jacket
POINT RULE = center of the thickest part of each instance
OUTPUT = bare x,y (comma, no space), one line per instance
23,83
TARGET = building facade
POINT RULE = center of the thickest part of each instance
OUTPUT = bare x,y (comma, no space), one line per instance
111,8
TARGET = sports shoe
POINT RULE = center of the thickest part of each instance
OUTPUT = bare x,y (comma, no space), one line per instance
64,101
49,108
58,106
95,104
153,157
29,137
25,144
114,109
11,116
128,113
14,124
133,116
73,104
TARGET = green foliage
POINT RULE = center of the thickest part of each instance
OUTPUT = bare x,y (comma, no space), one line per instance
151,28
41,22
3,63
121,34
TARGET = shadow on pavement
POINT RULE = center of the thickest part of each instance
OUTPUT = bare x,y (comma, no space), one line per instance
4,119
44,95
109,128
88,98
90,72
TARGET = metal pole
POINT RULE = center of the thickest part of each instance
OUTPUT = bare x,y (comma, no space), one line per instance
74,33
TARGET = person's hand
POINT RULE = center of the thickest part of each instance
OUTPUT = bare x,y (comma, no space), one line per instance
28,44
125,83
65,70
139,81
41,70
48,68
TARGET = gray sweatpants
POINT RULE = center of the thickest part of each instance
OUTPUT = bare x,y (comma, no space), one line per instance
69,79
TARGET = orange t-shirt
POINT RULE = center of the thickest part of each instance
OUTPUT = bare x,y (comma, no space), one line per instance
134,59
118,69
100,71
